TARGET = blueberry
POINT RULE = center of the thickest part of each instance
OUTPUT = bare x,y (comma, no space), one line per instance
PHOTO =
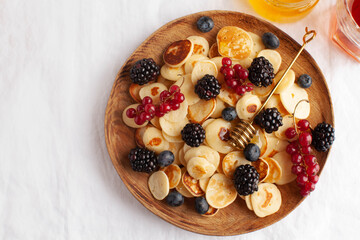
304,81
205,24
165,158
229,114
201,205
174,199
252,152
270,40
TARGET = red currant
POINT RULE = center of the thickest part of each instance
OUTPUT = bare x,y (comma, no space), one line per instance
226,62
302,179
179,97
131,113
305,139
139,120
140,108
174,89
314,179
174,105
237,67
146,100
164,95
240,90
290,133
311,170
292,148
310,160
149,108
297,169
306,150
165,107
304,192
228,73
232,83
250,87
296,158
303,125
243,74
158,113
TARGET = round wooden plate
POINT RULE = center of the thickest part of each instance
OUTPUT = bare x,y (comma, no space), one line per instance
236,218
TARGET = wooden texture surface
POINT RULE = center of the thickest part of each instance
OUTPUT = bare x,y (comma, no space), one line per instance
236,218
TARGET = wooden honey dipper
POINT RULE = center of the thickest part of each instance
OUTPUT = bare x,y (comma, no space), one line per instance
244,131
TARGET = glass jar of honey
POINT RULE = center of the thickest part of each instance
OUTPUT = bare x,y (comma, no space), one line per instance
283,10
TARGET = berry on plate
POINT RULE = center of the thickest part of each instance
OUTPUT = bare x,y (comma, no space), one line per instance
270,40
144,71
205,24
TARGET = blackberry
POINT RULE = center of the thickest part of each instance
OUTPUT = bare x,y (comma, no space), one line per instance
261,72
269,119
144,71
207,87
246,179
323,136
193,134
142,160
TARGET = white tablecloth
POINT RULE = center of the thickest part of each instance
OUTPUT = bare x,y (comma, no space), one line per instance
58,61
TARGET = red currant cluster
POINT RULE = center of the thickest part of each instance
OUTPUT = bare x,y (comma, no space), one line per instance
235,76
169,100
305,165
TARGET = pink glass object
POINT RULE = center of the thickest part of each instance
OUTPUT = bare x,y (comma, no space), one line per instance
346,32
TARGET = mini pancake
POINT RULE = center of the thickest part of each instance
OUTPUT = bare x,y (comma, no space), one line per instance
200,111
178,52
173,172
275,171
134,90
187,88
155,122
211,212
248,202
220,191
214,51
175,149
234,42
130,121
181,188
154,140
245,63
273,56
181,157
267,200
199,167
218,63
139,134
260,140
258,45
275,145
288,81
291,97
203,183
190,63
202,68
173,128
247,106
262,167
172,73
201,45
172,139
177,115
217,133
275,101
205,152
231,161
159,185
284,161
153,90
220,106
164,81
228,95
192,185
288,122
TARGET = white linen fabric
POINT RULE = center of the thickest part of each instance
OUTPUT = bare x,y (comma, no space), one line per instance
58,61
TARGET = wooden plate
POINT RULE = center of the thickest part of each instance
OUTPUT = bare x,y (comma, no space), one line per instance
236,218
